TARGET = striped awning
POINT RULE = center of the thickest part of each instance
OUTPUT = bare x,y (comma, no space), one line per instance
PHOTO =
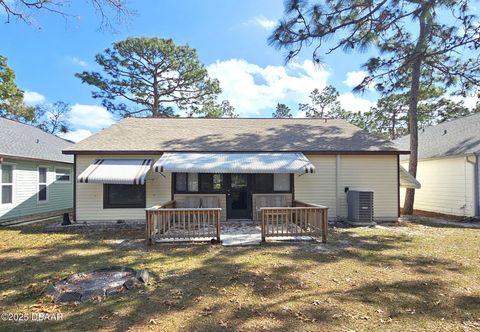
116,171
407,180
182,162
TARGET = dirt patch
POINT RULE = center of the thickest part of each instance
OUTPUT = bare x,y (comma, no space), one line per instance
96,285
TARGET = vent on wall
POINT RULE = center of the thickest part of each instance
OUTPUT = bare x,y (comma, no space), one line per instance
360,207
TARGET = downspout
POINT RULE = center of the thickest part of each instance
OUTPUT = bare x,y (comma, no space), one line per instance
337,185
398,186
476,181
74,188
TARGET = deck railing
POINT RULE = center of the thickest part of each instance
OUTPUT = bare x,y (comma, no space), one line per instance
303,219
168,222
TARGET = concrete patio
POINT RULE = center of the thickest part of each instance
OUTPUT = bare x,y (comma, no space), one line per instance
249,233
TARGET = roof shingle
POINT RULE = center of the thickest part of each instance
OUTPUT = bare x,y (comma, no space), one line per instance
456,137
21,140
232,135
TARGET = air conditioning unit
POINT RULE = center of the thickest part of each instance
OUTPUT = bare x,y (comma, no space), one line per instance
360,207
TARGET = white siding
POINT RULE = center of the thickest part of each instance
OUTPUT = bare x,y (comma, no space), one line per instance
447,186
90,195
377,173
25,189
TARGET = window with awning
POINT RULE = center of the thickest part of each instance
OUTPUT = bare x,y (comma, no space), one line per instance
116,171
183,162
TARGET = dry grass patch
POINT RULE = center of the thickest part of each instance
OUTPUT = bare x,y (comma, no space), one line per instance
397,278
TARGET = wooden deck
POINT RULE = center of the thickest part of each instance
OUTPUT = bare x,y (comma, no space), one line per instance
168,222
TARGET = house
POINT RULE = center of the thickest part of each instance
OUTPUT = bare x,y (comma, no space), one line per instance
238,165
448,167
35,177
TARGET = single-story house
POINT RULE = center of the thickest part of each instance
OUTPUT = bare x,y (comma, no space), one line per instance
237,164
448,167
35,177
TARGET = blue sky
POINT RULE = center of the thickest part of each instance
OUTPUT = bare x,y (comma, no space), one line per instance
230,37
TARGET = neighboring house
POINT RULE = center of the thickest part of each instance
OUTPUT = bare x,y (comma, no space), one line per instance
35,177
448,167
241,164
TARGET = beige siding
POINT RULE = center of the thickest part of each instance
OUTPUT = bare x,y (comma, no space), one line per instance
447,186
90,195
179,198
371,173
375,173
319,187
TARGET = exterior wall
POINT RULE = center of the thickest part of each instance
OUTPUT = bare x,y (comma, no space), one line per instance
25,189
377,173
448,186
180,198
319,187
358,172
89,196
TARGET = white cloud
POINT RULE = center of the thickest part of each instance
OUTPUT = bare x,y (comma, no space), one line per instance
76,135
353,103
354,78
32,98
261,21
77,61
468,101
91,117
252,89
349,102
301,114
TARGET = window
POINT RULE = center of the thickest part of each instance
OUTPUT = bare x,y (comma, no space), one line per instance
121,196
186,182
192,182
181,182
211,182
268,183
263,183
6,193
62,175
281,182
42,184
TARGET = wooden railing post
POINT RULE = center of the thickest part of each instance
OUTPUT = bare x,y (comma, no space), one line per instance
325,225
148,228
218,225
263,224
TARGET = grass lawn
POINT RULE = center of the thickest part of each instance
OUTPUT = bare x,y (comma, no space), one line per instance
396,278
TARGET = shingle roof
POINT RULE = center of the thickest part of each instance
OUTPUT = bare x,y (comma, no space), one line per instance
21,140
232,135
456,137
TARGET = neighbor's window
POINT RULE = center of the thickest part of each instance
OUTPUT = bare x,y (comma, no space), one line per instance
121,196
7,184
62,175
211,182
42,184
281,182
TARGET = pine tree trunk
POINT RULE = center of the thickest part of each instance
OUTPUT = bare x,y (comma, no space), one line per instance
412,109
413,128
156,103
